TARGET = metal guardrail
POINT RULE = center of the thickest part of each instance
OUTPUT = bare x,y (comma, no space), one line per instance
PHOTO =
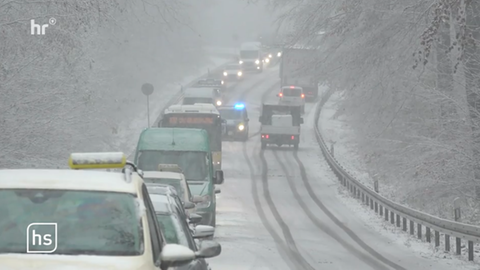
394,212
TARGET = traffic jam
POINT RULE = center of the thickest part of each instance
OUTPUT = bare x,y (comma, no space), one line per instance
157,211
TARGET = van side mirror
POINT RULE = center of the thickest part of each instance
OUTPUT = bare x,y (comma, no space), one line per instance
219,177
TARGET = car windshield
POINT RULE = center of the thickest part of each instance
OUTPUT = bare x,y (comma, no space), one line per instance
232,67
194,164
70,222
231,114
249,54
193,100
168,181
287,92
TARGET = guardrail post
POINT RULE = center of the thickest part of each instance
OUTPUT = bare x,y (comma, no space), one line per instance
427,234
419,231
371,204
470,250
386,214
404,221
367,201
363,197
376,207
437,238
381,210
392,217
375,185
447,242
398,220
458,246
412,227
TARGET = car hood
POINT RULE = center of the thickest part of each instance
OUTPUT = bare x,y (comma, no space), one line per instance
199,188
69,262
231,122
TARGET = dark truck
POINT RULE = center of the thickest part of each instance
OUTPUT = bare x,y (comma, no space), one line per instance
280,125
298,67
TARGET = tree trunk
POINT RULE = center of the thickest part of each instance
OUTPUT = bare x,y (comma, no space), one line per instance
472,76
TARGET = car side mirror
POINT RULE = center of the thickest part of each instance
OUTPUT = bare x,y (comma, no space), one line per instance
203,231
174,255
188,205
219,177
301,120
194,219
209,249
197,199
217,190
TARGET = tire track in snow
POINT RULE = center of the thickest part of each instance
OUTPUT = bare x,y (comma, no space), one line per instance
319,224
294,258
347,230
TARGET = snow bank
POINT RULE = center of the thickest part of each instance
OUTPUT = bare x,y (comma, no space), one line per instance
337,132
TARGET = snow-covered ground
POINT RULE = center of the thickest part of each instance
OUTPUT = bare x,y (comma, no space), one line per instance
335,130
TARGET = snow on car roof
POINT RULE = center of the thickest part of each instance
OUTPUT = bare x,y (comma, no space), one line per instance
157,174
66,179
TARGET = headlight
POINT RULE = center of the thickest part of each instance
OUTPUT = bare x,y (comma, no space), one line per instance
239,73
222,82
240,62
257,62
269,56
225,74
219,102
279,54
241,127
267,60
205,203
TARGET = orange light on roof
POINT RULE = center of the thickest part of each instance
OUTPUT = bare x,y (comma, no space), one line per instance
280,94
303,95
292,87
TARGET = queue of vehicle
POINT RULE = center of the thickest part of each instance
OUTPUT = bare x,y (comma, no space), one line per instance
58,206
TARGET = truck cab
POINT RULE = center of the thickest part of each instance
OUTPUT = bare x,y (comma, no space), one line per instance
292,95
251,57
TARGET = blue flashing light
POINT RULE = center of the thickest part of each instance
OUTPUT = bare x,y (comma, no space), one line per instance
239,106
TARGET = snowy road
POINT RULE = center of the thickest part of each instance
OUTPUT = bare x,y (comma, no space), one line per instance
280,210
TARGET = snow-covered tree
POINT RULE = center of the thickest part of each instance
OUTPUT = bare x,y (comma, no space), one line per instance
77,87
410,73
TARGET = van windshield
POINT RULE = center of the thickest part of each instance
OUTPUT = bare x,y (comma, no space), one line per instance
195,165
287,92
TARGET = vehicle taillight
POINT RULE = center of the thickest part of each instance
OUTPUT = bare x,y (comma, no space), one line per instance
292,87
293,137
280,95
265,136
303,95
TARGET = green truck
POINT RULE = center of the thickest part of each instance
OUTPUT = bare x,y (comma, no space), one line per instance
190,149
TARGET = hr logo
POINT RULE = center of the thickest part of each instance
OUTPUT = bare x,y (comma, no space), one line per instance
41,237
37,29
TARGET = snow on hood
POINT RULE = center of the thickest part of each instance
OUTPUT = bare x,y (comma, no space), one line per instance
68,262
199,188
